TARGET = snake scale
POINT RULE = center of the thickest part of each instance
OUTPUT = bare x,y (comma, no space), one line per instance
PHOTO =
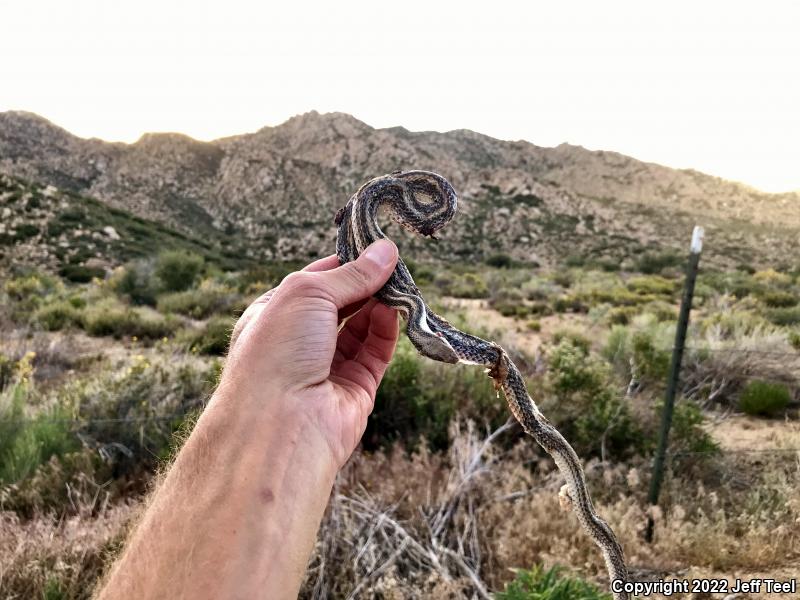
424,202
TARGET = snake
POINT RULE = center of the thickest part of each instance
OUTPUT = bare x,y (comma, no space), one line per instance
423,202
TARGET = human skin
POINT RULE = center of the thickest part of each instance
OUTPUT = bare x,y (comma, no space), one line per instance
238,512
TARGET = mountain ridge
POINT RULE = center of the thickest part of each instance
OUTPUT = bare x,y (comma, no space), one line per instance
278,188
28,115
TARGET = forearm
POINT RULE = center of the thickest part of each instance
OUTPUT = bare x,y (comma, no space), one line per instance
238,513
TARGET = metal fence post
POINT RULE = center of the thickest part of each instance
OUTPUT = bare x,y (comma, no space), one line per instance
674,374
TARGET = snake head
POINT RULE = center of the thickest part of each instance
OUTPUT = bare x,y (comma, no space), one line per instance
433,346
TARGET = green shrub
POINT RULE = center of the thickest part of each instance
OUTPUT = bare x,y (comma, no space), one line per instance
764,398
794,339
265,276
643,353
28,292
57,315
506,300
25,231
400,408
537,290
570,303
779,299
7,369
742,290
615,350
773,278
28,286
534,325
662,311
177,270
507,310
419,398
136,281
574,338
80,273
199,303
571,370
108,318
522,311
584,402
574,260
651,263
213,338
191,303
421,274
468,285
784,316
403,408
617,296
117,320
652,363
77,302
563,278
28,441
608,265
746,268
149,325
34,442
622,315
509,302
541,309
538,584
500,261
129,415
731,324
737,284
687,435
652,284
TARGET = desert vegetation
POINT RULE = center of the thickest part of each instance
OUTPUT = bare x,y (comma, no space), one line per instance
102,376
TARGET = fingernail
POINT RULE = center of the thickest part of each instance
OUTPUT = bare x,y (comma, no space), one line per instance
380,252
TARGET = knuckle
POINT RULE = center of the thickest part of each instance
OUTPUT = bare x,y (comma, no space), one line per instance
358,277
376,356
298,284
305,285
265,297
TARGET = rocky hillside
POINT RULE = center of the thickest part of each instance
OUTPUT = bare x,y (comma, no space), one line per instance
277,190
82,237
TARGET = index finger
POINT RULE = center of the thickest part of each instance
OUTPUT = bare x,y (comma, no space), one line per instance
323,264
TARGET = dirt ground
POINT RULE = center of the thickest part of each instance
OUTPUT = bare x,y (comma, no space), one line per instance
514,332
738,432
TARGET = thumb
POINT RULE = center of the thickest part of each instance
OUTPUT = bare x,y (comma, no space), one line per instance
359,279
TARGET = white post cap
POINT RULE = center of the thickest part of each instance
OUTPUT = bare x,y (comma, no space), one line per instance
697,239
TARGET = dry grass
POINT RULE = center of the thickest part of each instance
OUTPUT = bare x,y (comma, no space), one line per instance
49,557
454,525
421,525
733,347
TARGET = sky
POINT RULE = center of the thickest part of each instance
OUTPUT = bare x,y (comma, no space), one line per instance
713,86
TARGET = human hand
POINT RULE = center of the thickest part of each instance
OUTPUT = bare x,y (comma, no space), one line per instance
248,489
287,347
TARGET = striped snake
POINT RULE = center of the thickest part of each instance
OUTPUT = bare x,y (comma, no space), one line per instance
424,202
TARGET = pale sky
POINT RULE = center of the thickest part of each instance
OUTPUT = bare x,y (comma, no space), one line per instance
709,85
